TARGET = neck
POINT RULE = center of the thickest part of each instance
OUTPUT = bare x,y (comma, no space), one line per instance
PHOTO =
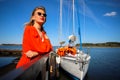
38,26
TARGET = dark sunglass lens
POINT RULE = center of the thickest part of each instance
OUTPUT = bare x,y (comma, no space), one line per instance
39,13
44,15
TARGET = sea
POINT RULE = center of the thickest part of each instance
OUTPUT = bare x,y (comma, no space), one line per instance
104,63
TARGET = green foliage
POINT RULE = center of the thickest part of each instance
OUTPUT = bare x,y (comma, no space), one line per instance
107,44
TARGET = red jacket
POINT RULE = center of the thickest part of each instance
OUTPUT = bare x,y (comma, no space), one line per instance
32,41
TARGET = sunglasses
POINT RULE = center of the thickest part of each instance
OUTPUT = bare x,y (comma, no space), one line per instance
40,14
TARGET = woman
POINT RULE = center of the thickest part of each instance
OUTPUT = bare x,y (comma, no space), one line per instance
35,40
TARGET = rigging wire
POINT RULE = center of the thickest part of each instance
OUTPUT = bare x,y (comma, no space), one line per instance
84,21
68,19
60,23
73,25
79,28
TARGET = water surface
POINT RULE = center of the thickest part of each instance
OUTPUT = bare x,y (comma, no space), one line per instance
104,65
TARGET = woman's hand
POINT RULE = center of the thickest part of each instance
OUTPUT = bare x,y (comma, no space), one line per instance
31,54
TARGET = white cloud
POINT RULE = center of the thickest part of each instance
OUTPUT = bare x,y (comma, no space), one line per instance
110,14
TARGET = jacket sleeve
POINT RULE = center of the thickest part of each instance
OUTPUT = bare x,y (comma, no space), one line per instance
32,41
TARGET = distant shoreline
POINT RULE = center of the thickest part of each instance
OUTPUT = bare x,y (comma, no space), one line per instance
105,44
99,47
6,52
18,53
10,44
14,52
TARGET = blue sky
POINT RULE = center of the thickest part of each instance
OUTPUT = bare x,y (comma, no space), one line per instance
99,20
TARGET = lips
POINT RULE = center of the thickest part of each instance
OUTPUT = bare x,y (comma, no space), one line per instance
41,18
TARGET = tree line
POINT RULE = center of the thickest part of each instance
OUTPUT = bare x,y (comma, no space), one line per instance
106,44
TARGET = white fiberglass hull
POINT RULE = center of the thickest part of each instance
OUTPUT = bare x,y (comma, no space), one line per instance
73,67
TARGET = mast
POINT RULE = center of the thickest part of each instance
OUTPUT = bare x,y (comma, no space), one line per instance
60,30
73,18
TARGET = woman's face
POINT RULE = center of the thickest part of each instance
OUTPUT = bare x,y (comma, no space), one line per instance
40,16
